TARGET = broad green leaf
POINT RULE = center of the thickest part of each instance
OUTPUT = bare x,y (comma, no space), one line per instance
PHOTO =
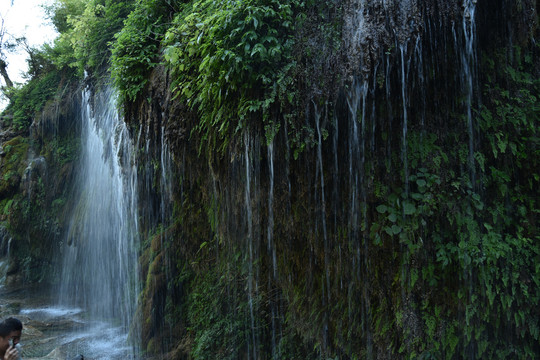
408,208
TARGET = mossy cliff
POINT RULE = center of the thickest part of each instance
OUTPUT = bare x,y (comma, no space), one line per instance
355,198
39,141
337,180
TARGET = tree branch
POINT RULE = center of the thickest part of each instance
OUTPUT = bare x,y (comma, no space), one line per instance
3,72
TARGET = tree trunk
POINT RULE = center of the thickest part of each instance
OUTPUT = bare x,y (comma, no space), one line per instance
4,74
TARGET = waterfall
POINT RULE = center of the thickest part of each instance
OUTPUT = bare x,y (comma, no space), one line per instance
327,264
323,200
270,246
252,250
166,189
357,100
5,241
99,272
270,235
405,100
468,59
389,110
421,80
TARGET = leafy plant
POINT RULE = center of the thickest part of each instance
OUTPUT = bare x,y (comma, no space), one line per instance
230,60
135,49
89,27
26,101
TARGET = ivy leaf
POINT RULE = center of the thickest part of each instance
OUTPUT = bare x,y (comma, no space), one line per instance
392,230
258,48
408,208
381,209
396,229
414,277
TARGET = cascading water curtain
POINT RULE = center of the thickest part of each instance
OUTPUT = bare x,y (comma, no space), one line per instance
100,258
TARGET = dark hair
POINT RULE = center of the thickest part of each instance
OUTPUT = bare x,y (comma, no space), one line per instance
16,324
5,329
9,325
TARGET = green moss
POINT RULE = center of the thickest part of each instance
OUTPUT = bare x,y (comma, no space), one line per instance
217,324
27,101
62,150
13,164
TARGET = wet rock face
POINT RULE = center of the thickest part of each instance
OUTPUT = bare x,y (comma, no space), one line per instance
5,237
370,27
158,112
372,30
514,22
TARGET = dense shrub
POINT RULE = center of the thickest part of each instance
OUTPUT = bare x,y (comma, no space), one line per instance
89,27
230,60
29,99
135,50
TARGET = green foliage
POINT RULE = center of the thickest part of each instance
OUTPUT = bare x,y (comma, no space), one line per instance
135,49
62,11
231,60
484,244
46,73
471,252
63,150
88,27
218,314
510,120
13,164
61,54
29,99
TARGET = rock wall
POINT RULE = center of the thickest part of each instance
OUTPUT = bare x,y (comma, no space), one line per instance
37,177
360,245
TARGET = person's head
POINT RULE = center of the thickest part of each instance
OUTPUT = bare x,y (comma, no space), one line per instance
16,329
10,329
